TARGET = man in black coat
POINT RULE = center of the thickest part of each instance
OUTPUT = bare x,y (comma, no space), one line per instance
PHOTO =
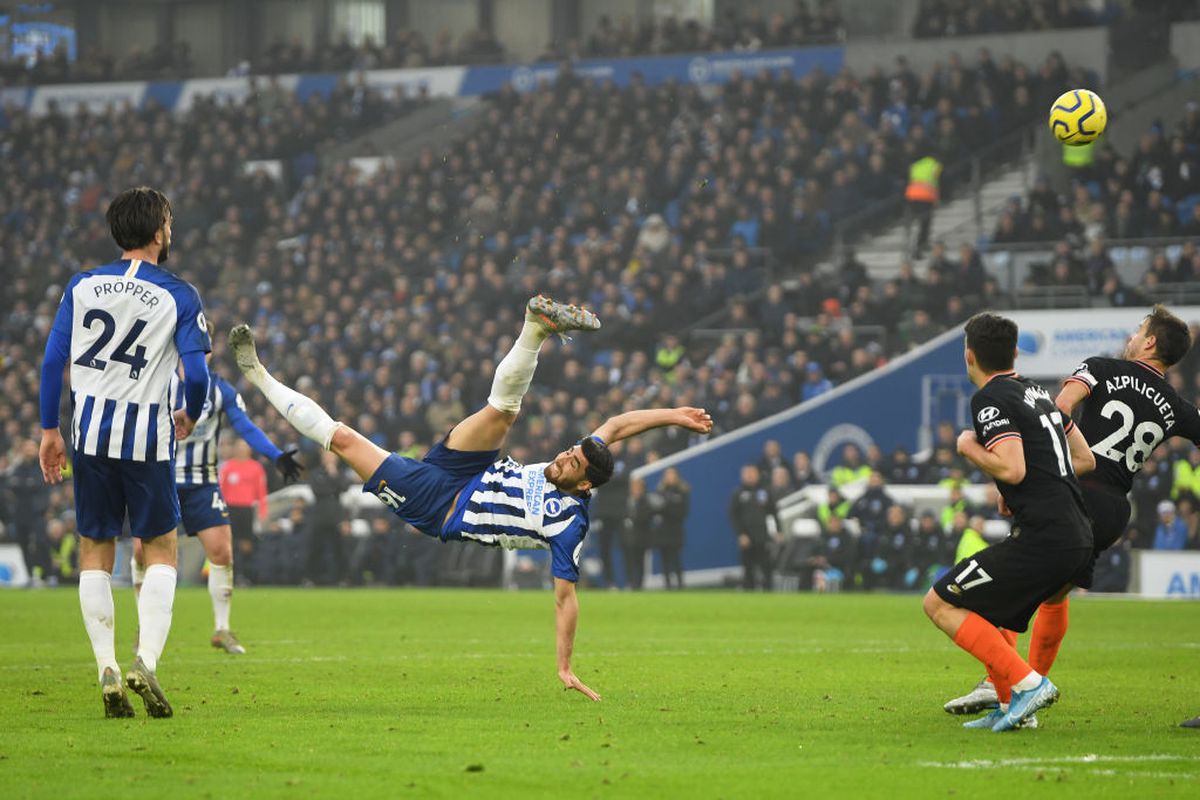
749,511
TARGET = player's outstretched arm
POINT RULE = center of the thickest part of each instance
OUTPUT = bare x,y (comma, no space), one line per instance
1004,462
631,423
285,461
566,615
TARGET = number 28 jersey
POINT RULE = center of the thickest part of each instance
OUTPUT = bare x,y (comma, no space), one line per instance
128,323
1047,505
1130,409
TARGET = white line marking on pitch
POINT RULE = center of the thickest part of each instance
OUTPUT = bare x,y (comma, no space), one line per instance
1090,758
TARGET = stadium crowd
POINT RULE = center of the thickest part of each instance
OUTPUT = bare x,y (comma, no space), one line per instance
815,23
657,214
876,541
1152,192
938,19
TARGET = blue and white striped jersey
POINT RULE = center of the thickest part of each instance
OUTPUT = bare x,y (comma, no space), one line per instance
196,456
128,323
513,506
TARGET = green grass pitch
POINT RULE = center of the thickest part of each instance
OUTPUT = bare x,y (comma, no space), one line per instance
447,693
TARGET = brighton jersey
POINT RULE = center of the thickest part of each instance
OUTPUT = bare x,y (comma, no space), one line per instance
128,323
1130,409
514,506
196,456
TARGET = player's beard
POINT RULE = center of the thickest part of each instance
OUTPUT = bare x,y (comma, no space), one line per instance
165,253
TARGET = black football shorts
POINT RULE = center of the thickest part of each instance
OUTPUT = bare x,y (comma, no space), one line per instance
1006,582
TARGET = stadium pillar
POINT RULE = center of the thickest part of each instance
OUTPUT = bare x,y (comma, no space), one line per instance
487,15
322,21
565,19
395,17
166,24
87,26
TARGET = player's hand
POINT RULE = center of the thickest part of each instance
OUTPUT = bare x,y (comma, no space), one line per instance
1002,507
289,466
53,456
965,439
184,425
571,682
694,419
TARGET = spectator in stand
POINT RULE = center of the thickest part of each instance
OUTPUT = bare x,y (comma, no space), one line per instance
903,470
640,531
63,553
1171,533
834,506
31,501
1113,565
1186,476
815,382
1186,508
933,551
894,548
749,512
676,500
772,457
852,469
870,509
802,472
838,558
244,485
1150,489
325,542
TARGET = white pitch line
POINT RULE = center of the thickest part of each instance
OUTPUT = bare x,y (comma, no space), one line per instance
1090,758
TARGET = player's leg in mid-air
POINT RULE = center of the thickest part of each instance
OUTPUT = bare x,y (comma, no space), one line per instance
483,431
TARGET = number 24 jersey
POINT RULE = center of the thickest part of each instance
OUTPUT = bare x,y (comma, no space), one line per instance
1130,409
1047,505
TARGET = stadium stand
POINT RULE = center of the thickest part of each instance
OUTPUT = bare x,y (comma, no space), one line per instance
942,18
666,206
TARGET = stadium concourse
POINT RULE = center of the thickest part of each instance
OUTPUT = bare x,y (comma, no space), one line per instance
668,205
410,48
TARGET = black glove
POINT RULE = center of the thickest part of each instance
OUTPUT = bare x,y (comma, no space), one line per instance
289,467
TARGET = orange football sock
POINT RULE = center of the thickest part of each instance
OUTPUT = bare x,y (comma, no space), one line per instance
1049,628
1004,688
987,643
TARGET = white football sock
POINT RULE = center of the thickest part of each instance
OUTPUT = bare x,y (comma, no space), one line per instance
515,372
302,412
154,612
96,603
137,574
1030,681
220,589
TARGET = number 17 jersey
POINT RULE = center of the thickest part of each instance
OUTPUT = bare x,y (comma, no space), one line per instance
1130,409
1047,506
128,323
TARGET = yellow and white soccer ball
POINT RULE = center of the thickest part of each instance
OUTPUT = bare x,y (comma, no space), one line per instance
1078,117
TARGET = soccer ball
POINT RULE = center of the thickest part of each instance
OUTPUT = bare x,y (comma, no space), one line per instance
1078,117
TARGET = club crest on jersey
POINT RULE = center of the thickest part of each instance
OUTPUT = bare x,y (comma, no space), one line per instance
553,507
988,414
